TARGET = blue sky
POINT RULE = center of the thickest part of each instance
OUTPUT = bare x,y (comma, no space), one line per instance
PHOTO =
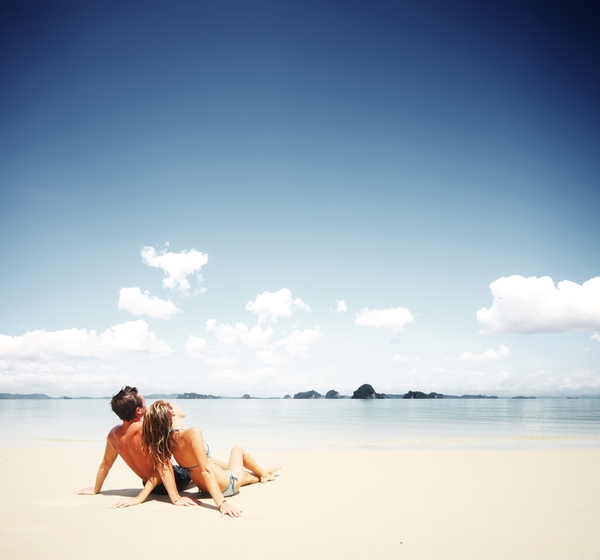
417,163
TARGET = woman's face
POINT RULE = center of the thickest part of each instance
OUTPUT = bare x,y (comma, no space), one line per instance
176,411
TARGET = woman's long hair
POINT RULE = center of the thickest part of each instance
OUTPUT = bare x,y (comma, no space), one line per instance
157,438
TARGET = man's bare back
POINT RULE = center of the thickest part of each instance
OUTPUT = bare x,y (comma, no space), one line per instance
126,440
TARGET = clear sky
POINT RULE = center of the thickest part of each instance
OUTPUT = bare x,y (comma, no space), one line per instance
270,197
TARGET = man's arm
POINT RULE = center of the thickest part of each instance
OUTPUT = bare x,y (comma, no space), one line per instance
110,456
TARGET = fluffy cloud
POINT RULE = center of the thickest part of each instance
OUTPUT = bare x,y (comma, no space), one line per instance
490,355
596,336
196,347
257,337
273,305
298,342
127,338
226,334
142,303
177,266
341,306
221,361
392,319
535,305
231,340
399,358
271,358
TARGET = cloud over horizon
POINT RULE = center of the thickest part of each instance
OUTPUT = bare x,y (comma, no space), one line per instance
232,339
400,358
490,355
133,337
535,305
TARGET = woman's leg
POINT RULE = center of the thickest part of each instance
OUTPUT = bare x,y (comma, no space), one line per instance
218,462
240,459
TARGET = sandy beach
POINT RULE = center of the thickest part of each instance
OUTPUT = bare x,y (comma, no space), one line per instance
325,504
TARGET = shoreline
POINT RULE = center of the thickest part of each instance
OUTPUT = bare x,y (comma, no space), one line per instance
341,503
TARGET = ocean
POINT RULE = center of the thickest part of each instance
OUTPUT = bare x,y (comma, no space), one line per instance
259,424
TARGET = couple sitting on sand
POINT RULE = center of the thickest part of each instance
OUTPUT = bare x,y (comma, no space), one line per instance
147,439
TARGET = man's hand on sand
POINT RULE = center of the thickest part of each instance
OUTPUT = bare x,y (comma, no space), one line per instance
89,491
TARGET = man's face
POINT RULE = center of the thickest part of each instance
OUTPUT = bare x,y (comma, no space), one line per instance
142,409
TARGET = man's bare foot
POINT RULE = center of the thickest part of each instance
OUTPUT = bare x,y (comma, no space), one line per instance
271,473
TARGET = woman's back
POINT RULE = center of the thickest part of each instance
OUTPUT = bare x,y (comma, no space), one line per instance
188,448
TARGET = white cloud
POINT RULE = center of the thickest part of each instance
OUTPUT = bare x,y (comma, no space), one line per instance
226,334
138,303
126,338
273,305
341,306
221,361
52,366
253,338
490,355
196,347
393,319
257,337
242,381
271,358
399,358
177,266
298,342
232,340
535,305
596,336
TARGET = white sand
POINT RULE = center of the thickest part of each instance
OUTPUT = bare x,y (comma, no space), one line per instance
325,504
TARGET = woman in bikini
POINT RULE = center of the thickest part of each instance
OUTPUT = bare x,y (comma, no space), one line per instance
163,436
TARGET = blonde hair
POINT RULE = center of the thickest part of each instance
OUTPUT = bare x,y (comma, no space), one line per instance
157,437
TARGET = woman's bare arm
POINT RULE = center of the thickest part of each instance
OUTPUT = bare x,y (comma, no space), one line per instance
192,438
168,481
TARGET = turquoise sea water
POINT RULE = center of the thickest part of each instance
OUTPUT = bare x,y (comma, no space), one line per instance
321,424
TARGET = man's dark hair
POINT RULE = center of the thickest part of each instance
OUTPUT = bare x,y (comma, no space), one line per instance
125,402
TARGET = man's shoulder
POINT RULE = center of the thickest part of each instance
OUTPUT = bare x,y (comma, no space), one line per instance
125,429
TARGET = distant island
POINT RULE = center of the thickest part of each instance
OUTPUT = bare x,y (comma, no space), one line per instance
365,392
30,396
200,396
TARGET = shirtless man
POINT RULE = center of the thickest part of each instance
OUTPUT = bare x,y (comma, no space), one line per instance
125,440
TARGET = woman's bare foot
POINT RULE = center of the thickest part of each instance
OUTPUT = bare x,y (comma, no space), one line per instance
271,473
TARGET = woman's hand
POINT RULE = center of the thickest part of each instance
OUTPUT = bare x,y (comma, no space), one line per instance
126,502
227,509
185,501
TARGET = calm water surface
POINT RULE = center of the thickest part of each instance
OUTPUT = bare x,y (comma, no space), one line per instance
301,424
